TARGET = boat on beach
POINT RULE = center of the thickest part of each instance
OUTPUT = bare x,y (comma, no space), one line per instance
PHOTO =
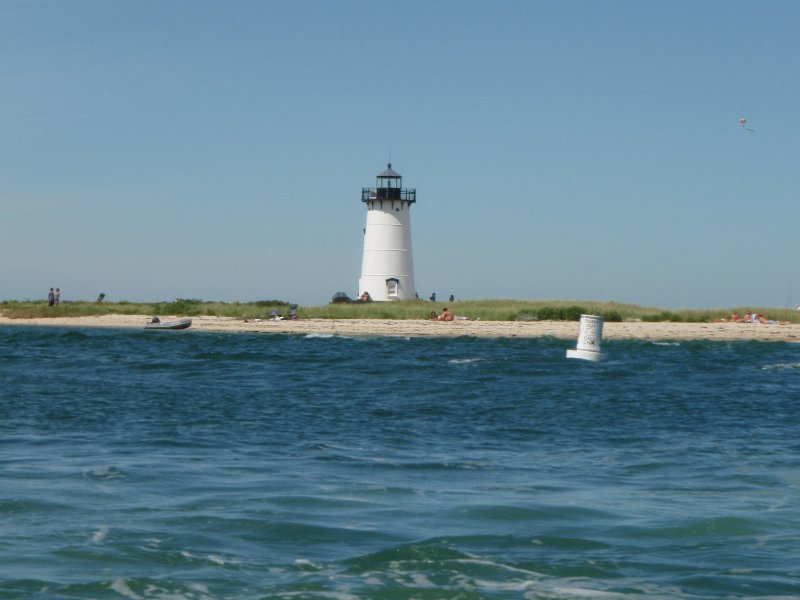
158,324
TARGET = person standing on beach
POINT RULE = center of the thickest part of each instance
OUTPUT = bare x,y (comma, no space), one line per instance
58,296
51,298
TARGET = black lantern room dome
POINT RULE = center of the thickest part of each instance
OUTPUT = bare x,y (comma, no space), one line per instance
388,186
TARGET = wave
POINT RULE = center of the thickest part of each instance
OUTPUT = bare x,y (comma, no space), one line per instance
792,365
277,467
465,361
101,534
104,473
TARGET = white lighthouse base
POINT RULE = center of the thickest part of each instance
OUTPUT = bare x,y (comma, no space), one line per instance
585,355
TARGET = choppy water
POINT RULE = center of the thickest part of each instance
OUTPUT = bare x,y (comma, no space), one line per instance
185,465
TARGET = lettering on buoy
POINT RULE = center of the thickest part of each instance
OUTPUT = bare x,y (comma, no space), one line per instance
591,332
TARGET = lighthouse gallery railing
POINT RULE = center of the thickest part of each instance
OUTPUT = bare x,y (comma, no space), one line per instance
370,194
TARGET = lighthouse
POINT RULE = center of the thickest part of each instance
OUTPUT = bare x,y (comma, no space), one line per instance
387,269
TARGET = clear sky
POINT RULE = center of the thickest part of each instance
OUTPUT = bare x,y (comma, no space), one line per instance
560,150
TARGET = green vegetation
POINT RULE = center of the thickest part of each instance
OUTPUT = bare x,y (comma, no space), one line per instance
180,307
485,310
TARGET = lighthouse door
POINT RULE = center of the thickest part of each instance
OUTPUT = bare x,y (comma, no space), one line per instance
391,288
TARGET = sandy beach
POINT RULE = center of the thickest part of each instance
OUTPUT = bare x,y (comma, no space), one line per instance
424,328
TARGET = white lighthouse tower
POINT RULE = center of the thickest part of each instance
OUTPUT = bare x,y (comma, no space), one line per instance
387,269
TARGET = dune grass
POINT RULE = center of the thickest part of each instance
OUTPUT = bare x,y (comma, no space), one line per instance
182,308
486,310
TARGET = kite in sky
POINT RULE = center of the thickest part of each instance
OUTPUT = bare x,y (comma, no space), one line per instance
743,123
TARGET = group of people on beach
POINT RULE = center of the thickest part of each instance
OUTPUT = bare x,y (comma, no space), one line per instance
433,297
445,316
749,317
54,297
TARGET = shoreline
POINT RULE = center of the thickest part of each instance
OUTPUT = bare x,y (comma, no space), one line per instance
426,328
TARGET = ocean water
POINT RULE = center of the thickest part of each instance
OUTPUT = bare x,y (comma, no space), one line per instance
189,465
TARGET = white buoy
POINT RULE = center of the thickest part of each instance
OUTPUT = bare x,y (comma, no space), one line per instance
591,333
387,267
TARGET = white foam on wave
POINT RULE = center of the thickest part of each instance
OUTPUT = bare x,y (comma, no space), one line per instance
576,592
578,588
120,585
497,565
200,587
505,586
336,595
196,591
522,583
105,473
309,336
214,558
304,562
464,361
421,580
794,365
101,534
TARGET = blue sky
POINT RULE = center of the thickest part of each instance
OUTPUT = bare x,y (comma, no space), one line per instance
560,150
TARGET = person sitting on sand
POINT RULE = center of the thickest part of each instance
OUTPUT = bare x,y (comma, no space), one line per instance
446,315
434,317
752,317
